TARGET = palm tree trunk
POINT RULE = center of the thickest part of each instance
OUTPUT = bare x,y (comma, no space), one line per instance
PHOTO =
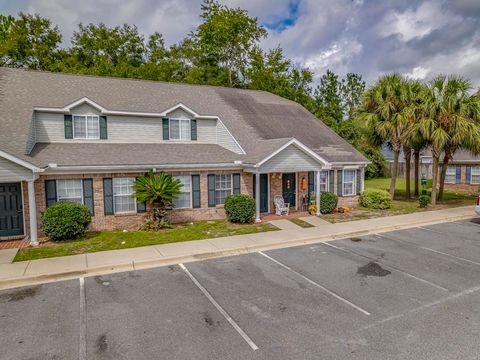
416,156
443,175
433,195
393,179
407,152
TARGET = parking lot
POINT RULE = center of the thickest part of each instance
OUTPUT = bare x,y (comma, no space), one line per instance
409,294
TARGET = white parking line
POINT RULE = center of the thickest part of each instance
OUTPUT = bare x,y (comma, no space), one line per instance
220,309
356,307
388,266
82,353
427,229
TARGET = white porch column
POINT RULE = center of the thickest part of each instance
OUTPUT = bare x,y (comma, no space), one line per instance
32,209
362,180
317,192
257,198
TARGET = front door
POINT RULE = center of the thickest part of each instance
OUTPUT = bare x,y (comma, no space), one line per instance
289,188
263,192
11,214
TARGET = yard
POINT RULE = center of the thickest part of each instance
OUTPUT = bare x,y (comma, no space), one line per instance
114,240
400,204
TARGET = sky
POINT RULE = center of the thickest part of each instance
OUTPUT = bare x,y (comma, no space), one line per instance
371,37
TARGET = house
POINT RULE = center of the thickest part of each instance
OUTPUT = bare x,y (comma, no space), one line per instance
463,173
84,138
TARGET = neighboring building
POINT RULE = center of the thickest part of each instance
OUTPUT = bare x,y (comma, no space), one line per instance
463,173
425,164
83,138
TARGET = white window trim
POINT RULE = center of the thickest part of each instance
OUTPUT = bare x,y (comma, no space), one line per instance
179,129
231,186
56,184
471,175
114,204
191,193
354,187
326,180
86,126
455,172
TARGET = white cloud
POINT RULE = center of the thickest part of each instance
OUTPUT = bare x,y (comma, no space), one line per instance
418,73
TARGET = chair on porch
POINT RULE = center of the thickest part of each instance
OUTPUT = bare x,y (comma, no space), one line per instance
280,207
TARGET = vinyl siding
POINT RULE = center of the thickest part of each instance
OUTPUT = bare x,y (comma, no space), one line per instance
179,114
290,159
84,109
121,129
11,172
225,139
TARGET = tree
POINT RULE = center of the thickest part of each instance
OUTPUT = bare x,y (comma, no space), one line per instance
158,190
352,88
100,50
29,41
449,121
383,113
225,39
328,100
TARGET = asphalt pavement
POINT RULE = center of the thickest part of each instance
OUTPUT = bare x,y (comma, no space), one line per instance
409,294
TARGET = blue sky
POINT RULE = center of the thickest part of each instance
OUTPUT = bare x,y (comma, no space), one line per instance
418,38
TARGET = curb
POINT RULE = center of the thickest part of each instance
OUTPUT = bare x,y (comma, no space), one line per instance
147,264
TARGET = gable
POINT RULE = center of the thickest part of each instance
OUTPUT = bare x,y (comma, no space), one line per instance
85,108
12,172
290,159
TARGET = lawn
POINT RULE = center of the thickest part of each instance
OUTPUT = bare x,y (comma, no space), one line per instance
113,240
301,223
400,204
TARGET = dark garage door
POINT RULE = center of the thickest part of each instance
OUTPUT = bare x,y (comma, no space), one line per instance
11,215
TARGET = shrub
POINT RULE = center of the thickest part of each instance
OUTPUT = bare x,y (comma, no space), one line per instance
376,199
240,208
423,201
328,202
65,220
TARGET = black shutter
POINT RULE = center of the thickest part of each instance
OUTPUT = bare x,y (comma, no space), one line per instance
50,192
166,129
211,190
236,183
311,182
458,174
141,206
196,191
103,127
359,184
67,120
468,175
339,182
88,195
193,129
331,186
108,196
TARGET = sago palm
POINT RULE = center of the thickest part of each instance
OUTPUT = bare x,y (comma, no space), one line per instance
158,190
450,121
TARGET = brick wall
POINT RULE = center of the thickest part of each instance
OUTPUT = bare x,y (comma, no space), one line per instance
462,187
100,221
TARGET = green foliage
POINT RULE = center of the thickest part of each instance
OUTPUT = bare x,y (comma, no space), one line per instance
423,201
158,190
240,208
378,166
376,199
328,202
65,221
29,41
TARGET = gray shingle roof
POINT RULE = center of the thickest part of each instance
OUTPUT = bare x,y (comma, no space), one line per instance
258,120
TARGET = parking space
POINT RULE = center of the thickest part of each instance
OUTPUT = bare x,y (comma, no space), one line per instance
410,294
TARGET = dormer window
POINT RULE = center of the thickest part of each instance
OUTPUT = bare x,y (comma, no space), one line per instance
180,129
86,127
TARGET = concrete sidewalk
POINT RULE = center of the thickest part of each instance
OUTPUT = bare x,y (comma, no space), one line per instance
52,269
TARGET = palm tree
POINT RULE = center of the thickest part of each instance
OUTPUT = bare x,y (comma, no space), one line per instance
383,113
449,122
158,190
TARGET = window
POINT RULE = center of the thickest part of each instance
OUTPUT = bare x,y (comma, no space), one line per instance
348,182
184,199
323,181
223,187
180,129
475,177
123,199
86,127
450,177
70,190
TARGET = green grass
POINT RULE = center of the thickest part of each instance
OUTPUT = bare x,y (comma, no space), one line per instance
301,223
113,240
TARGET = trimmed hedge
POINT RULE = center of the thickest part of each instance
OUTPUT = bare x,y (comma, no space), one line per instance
65,220
328,202
376,199
240,208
